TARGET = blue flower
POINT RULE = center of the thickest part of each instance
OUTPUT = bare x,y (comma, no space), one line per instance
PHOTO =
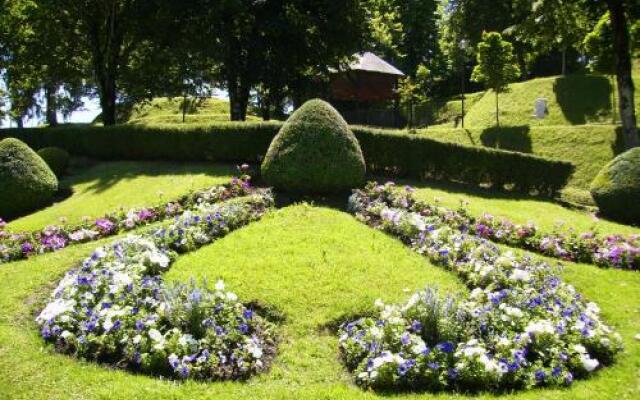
540,375
446,347
243,328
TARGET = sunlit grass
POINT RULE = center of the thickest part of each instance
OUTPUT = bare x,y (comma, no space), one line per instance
107,187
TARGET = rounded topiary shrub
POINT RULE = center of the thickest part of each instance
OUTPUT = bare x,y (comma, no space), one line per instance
314,152
616,188
26,181
56,158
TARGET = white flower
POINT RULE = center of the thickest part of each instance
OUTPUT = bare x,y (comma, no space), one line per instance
540,327
219,286
155,335
254,349
589,363
520,275
157,258
55,308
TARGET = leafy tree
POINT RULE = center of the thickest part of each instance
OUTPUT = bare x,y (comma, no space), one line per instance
385,28
554,25
414,92
496,65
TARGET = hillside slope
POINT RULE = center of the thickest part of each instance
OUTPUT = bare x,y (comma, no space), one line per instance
164,110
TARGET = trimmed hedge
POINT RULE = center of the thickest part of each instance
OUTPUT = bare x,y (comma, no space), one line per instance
616,189
26,181
314,152
386,152
56,158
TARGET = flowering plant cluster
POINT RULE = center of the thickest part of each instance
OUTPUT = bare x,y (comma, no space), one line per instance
16,246
520,326
616,251
116,308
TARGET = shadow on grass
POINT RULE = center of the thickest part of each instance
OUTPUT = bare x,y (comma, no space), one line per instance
513,138
104,175
583,98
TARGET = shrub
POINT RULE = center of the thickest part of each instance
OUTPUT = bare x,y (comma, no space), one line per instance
315,151
26,182
616,189
56,158
386,152
417,156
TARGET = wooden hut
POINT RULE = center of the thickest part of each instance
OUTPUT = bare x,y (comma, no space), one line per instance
366,91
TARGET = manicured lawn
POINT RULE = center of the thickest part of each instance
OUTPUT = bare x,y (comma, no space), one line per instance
315,265
106,187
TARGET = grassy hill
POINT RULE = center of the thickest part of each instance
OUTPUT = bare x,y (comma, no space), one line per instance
164,110
578,99
578,128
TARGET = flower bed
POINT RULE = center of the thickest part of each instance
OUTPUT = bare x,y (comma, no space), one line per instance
116,308
519,327
20,245
615,251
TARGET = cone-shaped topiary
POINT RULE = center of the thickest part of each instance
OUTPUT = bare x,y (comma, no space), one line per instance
56,158
26,181
314,152
616,188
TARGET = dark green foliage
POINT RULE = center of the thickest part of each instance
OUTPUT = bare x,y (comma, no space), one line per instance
315,152
56,158
616,189
242,141
385,152
416,156
26,182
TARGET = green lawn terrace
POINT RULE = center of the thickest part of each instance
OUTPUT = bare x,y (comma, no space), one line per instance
195,110
314,265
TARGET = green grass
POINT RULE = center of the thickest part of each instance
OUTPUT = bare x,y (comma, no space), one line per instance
315,265
165,110
106,187
519,209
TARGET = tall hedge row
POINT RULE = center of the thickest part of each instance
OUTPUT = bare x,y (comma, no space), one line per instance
385,152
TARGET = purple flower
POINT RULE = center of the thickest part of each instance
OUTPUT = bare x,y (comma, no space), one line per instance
105,225
27,248
145,214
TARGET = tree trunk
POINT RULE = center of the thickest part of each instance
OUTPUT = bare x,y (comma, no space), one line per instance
626,102
564,61
108,101
497,111
265,108
19,122
238,98
52,109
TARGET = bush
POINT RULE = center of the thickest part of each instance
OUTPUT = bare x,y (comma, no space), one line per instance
26,182
386,152
406,154
56,158
315,151
616,189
